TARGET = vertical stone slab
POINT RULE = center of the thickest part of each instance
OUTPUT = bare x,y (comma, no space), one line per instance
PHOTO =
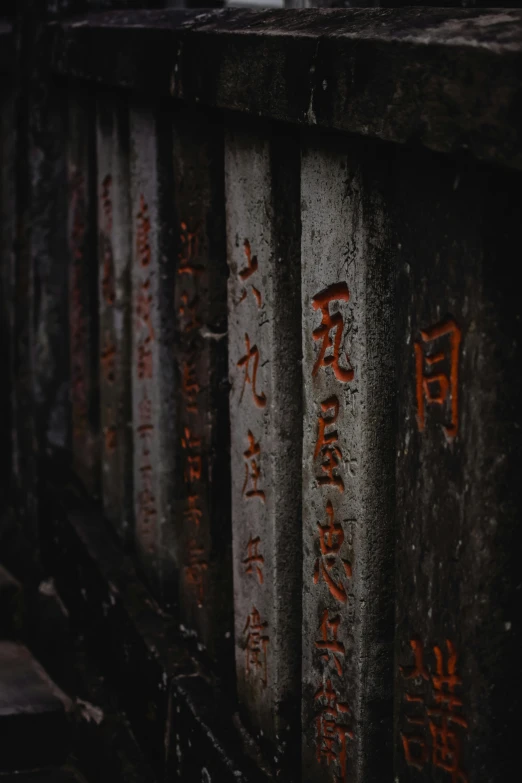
154,389
114,294
203,517
348,465
458,472
262,198
83,283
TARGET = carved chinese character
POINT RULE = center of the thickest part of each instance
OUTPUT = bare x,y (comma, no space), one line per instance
437,373
189,443
256,645
188,312
442,718
333,649
108,359
252,353
109,436
145,428
331,730
327,445
193,512
144,309
195,570
143,231
108,290
189,385
330,332
253,559
146,517
144,361
251,265
189,252
330,565
252,470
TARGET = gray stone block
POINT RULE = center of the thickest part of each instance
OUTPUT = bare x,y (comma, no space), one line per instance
114,295
348,464
200,348
154,388
458,472
262,202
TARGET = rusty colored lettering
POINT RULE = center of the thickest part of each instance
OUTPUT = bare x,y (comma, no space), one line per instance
331,731
188,312
195,570
193,512
333,649
440,387
144,309
251,265
190,442
143,232
331,539
252,469
256,645
108,359
254,560
189,252
441,715
327,445
252,353
338,292
189,385
144,361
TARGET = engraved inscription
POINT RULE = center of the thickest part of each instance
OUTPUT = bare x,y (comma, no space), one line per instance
256,646
330,332
435,723
437,373
252,354
330,566
327,447
252,470
254,561
331,730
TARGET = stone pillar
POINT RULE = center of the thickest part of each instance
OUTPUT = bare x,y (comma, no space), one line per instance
83,282
154,389
203,518
458,483
262,197
348,462
114,295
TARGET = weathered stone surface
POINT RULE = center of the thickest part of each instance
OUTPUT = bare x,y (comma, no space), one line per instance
459,455
83,284
348,464
33,712
114,296
154,387
262,198
203,515
445,78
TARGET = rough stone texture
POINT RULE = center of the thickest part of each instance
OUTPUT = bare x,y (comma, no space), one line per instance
459,498
83,283
348,463
114,296
154,387
445,78
32,712
262,197
203,516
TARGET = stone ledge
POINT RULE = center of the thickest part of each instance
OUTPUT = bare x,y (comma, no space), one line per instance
448,79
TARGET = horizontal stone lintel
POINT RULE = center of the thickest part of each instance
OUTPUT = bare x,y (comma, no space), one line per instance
449,79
